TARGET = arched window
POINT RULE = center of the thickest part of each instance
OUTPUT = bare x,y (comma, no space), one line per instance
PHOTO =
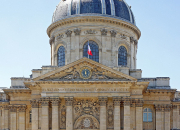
61,56
94,48
122,56
147,115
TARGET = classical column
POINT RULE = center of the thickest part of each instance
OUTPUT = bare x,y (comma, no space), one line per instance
35,105
22,117
45,114
117,102
167,111
69,113
159,123
76,55
127,114
13,110
139,114
175,117
55,113
6,117
68,54
102,101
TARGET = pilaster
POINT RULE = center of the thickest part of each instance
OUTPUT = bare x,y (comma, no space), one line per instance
167,111
103,101
13,116
159,123
6,117
55,113
22,117
117,103
139,114
175,116
69,113
2,118
45,114
35,105
127,114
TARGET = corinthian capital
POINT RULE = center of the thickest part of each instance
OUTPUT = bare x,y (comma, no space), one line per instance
139,102
45,101
34,103
68,33
12,108
127,101
55,101
117,101
102,101
69,101
22,108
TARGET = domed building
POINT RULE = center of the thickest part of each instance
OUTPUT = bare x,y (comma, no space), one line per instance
92,82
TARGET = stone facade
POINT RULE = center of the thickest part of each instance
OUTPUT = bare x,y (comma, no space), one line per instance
112,97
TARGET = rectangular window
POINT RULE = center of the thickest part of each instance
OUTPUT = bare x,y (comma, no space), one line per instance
149,117
145,117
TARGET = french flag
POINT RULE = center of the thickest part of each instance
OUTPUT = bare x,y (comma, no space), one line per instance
89,50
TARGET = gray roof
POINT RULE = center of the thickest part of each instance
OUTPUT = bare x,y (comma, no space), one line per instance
117,8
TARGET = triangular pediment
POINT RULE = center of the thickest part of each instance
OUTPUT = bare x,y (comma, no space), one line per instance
84,69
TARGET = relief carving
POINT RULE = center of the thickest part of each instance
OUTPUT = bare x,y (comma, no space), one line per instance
87,123
63,117
123,36
74,74
34,103
90,32
60,36
68,33
86,107
22,108
77,31
113,33
110,111
104,31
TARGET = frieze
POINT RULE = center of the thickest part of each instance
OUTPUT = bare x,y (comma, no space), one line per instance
104,31
68,33
98,90
69,101
90,31
77,31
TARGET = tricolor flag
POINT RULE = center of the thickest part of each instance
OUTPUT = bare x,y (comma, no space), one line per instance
89,50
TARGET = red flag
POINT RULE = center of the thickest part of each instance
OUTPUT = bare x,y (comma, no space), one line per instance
89,50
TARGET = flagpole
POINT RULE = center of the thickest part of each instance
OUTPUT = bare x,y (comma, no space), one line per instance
88,45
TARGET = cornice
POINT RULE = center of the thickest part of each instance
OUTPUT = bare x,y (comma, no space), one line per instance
93,18
83,82
85,61
10,91
161,90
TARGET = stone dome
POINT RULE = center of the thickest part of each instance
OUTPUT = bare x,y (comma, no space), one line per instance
108,8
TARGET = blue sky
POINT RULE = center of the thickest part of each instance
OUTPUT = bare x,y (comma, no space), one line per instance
25,44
